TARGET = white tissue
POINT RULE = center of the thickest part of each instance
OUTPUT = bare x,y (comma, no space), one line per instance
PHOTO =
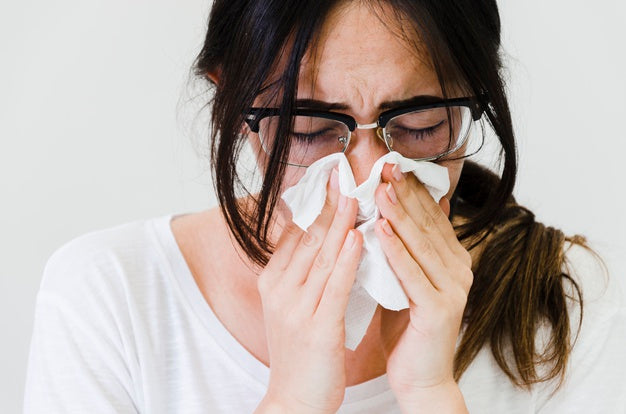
375,281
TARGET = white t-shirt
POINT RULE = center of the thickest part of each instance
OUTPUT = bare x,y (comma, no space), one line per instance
121,327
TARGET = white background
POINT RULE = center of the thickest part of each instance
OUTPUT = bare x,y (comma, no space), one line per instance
96,129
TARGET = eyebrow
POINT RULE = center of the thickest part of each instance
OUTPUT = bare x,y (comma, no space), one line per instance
320,105
316,104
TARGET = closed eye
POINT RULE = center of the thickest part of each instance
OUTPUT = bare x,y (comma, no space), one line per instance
310,136
421,133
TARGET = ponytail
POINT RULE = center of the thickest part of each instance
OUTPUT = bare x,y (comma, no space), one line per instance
518,287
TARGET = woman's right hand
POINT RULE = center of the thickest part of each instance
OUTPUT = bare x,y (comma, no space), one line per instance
304,290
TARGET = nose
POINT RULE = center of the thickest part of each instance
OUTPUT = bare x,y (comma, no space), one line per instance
365,148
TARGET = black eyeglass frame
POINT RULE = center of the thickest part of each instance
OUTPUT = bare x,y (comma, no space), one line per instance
255,115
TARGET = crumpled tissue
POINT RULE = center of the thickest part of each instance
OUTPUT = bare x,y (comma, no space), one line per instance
375,281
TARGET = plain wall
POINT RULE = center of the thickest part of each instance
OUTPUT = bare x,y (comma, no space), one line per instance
95,129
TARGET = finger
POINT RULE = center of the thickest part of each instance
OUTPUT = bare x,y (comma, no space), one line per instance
334,300
460,251
289,239
417,286
403,190
311,241
440,217
326,258
411,193
425,245
444,203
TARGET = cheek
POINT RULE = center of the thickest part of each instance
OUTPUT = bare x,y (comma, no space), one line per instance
454,172
255,145
292,176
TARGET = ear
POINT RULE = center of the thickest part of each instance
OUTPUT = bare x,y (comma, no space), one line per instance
214,76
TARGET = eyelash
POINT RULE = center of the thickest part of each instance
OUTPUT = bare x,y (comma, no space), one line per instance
421,133
307,137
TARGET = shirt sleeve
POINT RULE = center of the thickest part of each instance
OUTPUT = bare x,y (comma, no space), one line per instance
77,361
595,380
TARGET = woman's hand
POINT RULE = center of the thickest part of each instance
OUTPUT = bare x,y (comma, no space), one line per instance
435,272
304,290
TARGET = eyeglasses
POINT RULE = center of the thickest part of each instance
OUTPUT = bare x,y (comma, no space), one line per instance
420,132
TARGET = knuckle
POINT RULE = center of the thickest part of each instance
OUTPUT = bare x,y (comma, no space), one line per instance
336,286
401,190
310,239
329,204
425,247
291,230
321,262
399,214
397,219
437,214
427,223
333,290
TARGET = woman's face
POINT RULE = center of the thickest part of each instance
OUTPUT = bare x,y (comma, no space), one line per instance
362,64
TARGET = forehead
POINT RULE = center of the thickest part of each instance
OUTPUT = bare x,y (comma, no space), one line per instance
364,56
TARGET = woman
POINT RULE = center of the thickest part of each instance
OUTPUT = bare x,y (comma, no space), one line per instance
239,310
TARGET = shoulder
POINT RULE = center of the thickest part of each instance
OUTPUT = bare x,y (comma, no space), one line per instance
597,361
101,263
98,295
602,295
595,299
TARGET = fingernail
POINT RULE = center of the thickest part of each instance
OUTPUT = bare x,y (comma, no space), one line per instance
343,202
334,179
349,240
387,228
396,173
391,194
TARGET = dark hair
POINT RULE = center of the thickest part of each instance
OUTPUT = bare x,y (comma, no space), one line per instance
518,281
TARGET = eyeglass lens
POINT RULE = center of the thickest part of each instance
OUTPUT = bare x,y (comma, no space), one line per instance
312,138
420,134
429,133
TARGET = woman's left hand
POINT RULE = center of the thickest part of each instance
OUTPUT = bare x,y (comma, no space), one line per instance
435,272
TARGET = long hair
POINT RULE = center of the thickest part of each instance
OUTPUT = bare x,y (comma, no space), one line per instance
518,281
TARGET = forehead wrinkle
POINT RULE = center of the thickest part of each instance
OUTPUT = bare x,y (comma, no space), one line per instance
364,94
363,68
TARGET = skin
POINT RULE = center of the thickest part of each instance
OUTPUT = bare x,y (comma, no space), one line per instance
290,314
